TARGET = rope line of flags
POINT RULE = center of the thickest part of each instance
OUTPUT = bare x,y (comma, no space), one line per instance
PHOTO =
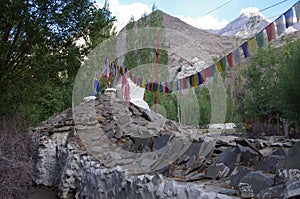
247,49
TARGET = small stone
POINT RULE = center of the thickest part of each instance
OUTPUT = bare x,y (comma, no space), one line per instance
119,134
245,190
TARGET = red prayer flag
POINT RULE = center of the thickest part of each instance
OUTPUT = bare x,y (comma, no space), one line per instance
230,60
205,74
270,29
184,83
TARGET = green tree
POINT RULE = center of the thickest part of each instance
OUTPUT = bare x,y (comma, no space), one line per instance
289,83
40,56
203,98
261,96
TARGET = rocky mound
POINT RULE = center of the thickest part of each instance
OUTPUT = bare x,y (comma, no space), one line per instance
101,149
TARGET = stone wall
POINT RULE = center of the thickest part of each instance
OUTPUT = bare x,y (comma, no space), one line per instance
102,149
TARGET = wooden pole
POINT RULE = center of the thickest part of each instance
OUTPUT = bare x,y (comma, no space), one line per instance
157,70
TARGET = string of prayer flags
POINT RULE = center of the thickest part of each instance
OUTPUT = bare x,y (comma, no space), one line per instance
280,25
289,17
245,50
297,10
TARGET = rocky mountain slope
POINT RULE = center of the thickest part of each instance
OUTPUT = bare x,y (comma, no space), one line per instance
245,26
185,43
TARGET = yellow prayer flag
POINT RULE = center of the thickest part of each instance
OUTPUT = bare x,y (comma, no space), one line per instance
219,66
252,44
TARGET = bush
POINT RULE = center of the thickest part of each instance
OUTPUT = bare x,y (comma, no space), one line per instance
15,153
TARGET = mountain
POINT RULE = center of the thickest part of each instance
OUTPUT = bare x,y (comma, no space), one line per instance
245,26
186,44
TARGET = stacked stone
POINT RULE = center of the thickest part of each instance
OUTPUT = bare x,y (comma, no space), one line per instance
103,149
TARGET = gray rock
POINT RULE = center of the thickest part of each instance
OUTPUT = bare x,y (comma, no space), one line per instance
291,180
245,190
274,192
217,171
293,160
229,192
228,157
238,173
194,176
271,163
292,190
257,181
248,156
161,141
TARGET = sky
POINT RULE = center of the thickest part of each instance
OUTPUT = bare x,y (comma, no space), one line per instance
196,12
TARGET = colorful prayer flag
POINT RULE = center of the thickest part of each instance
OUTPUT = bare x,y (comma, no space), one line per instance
224,64
190,81
195,80
179,84
237,56
167,85
219,66
270,29
280,25
205,74
229,58
199,78
260,39
97,89
246,50
144,83
212,70
289,17
252,45
161,87
297,10
184,83
150,86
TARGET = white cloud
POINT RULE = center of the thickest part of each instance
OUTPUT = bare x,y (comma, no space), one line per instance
124,12
205,22
249,10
